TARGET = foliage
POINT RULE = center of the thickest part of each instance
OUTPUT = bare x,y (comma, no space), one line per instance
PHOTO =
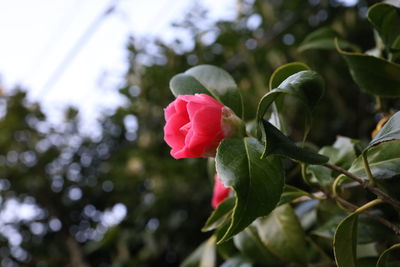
118,198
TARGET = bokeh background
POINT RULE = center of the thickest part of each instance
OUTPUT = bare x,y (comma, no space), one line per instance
85,177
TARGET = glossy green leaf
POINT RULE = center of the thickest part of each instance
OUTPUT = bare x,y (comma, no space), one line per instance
257,182
210,80
389,131
279,144
203,256
345,242
383,259
373,75
383,159
282,234
307,86
291,193
342,154
250,244
386,20
219,215
284,71
323,38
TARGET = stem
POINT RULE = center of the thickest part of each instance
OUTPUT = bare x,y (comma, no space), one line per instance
362,209
368,169
369,205
378,192
335,184
304,174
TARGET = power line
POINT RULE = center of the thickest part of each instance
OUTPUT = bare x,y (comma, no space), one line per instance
78,46
44,53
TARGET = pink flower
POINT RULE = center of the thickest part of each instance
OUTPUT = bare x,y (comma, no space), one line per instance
194,126
220,192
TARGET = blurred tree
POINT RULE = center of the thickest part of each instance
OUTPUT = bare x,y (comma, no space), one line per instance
118,198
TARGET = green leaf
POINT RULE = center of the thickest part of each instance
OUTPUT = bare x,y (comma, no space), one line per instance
279,144
342,153
282,234
383,159
284,71
373,75
290,193
345,242
211,80
383,259
257,182
323,38
389,131
386,20
250,244
307,86
219,215
203,256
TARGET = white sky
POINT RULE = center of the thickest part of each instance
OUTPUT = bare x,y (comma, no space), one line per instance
35,37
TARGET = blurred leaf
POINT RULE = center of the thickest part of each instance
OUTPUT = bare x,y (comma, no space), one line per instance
238,261
290,193
250,244
282,234
383,159
203,256
382,261
258,183
345,242
342,153
389,131
210,80
277,143
386,20
323,38
219,215
373,75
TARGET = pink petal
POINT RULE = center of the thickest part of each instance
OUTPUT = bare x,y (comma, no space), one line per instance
220,192
172,135
169,111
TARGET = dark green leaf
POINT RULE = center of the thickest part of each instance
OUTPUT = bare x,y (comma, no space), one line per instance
373,75
250,244
307,86
291,193
386,20
203,256
323,38
345,242
210,80
327,230
284,71
389,131
278,143
385,255
258,183
282,234
383,159
219,215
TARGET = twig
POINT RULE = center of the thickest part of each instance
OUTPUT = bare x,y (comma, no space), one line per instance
378,192
353,207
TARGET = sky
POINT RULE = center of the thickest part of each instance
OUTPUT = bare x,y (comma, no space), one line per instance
37,37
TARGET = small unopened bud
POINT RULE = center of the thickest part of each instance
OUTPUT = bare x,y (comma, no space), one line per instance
232,125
